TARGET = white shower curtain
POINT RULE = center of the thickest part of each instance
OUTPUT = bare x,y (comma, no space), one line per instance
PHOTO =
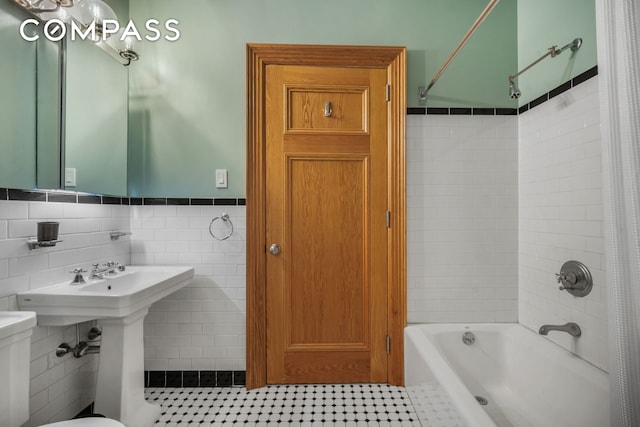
618,26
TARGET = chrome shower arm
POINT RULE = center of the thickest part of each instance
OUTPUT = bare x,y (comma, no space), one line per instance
553,51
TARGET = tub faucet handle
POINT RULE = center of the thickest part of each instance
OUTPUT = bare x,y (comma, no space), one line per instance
575,278
570,278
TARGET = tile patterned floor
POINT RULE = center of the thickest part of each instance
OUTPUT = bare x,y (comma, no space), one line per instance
295,405
433,406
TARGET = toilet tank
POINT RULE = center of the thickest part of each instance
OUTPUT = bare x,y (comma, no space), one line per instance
15,360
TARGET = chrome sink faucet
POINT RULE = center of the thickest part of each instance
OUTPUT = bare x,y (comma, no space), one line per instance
571,328
108,269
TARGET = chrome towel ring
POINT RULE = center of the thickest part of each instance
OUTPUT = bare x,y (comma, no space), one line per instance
225,218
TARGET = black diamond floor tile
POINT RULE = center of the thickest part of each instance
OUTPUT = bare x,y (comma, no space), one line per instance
292,405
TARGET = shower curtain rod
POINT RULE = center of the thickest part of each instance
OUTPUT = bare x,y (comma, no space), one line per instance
467,36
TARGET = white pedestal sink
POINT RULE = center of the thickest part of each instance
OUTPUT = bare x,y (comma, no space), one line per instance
120,302
120,384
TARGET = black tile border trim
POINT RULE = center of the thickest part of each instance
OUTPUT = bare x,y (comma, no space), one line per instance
90,200
174,201
195,378
202,202
462,111
62,198
53,196
154,201
562,88
181,379
27,195
438,111
108,200
497,111
416,111
225,202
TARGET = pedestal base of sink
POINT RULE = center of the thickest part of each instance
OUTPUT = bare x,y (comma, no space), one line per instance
120,383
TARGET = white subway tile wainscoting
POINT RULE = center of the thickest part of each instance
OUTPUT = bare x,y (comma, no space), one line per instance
60,387
202,326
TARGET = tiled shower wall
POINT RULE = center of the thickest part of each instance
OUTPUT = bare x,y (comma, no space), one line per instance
60,387
462,218
561,217
202,326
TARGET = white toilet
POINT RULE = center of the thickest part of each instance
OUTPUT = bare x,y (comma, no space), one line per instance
15,351
87,422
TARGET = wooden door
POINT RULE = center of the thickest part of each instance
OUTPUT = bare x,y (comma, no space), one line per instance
326,184
318,192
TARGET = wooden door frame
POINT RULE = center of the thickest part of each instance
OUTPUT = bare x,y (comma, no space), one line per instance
393,59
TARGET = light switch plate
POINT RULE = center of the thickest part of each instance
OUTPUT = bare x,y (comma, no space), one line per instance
70,177
221,178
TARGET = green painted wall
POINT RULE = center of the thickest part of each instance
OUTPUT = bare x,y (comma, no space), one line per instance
188,101
544,23
188,98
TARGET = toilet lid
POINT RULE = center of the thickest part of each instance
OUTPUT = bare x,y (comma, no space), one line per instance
87,422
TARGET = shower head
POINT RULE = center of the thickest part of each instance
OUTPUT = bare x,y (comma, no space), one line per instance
514,92
553,51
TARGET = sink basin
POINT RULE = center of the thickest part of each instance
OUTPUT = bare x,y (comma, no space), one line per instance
112,297
120,303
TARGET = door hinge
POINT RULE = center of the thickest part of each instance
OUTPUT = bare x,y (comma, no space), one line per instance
388,219
388,344
388,92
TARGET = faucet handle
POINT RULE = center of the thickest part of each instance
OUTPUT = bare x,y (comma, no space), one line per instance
78,279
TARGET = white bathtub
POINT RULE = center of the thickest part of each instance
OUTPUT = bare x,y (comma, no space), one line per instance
526,379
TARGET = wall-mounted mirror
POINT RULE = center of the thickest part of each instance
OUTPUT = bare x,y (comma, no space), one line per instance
63,107
95,120
17,102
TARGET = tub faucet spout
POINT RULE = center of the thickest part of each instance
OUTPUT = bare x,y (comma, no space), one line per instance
571,328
